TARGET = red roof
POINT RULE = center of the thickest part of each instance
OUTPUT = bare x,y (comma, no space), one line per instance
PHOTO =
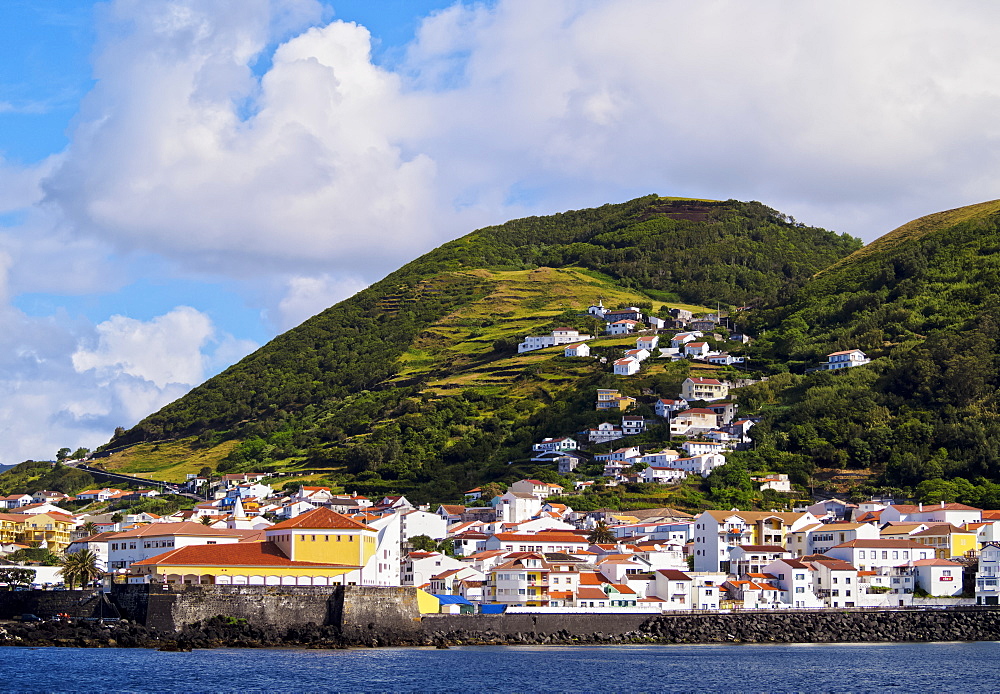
319,519
239,554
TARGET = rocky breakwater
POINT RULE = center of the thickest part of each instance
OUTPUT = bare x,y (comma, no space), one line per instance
821,626
216,632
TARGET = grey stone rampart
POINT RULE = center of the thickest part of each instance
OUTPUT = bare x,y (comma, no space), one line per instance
820,626
46,603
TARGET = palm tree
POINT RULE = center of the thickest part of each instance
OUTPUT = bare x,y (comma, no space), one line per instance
80,567
90,527
601,534
206,520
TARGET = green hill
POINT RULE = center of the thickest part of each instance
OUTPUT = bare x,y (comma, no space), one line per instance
414,383
923,302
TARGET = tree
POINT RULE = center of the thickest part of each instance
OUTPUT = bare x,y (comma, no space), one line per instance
80,567
90,527
206,520
423,543
15,576
117,517
447,546
62,454
490,490
601,534
80,453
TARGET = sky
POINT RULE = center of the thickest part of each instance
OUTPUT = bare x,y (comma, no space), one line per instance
182,180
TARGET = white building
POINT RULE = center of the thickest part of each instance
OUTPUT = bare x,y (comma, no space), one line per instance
626,366
647,342
664,474
844,360
561,444
147,541
716,533
622,327
875,554
988,576
700,464
580,349
939,577
559,336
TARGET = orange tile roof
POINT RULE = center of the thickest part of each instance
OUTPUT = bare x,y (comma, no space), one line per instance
181,528
239,554
319,519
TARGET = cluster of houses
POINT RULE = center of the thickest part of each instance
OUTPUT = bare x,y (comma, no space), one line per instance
538,555
712,431
528,550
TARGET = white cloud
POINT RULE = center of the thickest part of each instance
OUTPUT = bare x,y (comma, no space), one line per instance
165,350
64,382
331,170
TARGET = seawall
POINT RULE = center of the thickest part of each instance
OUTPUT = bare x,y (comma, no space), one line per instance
339,616
819,626
359,613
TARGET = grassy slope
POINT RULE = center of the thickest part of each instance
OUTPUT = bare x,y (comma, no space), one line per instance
518,303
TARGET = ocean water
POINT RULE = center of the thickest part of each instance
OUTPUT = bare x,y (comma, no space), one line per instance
930,667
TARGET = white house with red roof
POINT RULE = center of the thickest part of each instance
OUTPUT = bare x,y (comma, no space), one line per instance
541,490
844,360
579,349
680,339
626,366
604,432
663,407
943,512
147,541
939,577
621,327
697,349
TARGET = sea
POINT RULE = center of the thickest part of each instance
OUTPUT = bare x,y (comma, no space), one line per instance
862,667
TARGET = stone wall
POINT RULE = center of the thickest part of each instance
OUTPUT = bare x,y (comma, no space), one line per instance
821,626
46,603
362,613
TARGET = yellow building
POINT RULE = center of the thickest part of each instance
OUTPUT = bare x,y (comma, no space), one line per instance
51,530
316,548
10,527
608,399
947,540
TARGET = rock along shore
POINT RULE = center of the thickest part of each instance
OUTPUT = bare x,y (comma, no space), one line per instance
526,629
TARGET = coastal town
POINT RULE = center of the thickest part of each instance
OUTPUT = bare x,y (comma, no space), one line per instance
522,547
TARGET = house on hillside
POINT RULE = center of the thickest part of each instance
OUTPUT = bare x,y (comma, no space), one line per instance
697,388
626,366
609,399
579,349
696,349
665,406
680,339
564,443
604,432
647,342
559,336
844,360
622,327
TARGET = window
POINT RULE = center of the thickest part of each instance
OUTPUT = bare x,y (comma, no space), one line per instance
885,555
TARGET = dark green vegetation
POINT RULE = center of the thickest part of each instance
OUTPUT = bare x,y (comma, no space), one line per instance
31,476
923,302
411,384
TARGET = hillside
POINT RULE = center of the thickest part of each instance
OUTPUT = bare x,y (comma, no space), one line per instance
923,302
413,384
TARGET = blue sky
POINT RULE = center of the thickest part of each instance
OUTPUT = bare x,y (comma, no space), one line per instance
181,180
